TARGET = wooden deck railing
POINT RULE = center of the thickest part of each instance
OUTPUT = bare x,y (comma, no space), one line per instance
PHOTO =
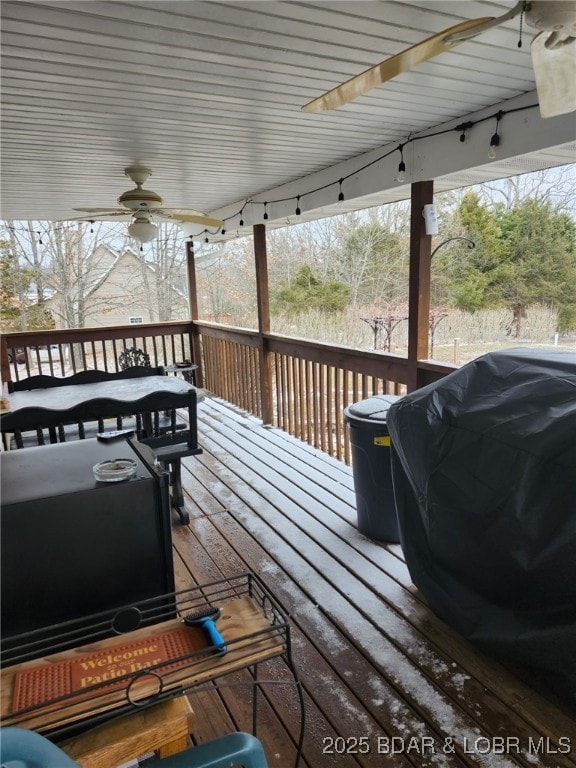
310,383
231,367
313,383
62,353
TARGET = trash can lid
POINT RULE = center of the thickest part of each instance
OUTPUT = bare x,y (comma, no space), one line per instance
373,409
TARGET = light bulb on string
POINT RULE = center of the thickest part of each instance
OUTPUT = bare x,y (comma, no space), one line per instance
495,139
341,194
298,211
463,127
494,144
402,165
265,211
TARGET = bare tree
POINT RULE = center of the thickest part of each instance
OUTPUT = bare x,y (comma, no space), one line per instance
227,282
163,269
556,186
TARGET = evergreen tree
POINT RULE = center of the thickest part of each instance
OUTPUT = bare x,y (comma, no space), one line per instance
540,247
524,255
468,278
17,311
307,291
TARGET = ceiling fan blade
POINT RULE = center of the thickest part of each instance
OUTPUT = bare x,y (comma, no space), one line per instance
104,217
101,211
395,65
183,211
554,69
192,217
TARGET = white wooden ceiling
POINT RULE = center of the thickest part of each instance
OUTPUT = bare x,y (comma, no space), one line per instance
208,94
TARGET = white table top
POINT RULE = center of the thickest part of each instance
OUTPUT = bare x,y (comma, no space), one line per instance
121,390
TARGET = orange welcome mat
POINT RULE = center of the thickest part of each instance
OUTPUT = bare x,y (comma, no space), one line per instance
116,665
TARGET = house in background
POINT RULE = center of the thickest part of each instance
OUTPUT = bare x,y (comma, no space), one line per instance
121,288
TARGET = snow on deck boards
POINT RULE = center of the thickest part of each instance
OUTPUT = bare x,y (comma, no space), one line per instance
380,671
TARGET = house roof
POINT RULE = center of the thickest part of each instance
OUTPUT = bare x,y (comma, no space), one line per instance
209,96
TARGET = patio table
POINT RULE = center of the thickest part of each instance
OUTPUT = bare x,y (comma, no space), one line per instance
57,404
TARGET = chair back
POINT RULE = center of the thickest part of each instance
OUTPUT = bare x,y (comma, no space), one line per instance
177,442
132,356
43,381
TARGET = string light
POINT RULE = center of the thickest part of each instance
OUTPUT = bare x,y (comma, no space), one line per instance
494,143
402,165
462,128
495,139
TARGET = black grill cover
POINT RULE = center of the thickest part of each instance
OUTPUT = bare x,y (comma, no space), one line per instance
484,472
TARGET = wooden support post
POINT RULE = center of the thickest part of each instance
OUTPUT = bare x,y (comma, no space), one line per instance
5,374
262,293
193,302
419,282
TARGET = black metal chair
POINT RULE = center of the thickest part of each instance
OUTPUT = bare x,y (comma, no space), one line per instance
133,356
170,448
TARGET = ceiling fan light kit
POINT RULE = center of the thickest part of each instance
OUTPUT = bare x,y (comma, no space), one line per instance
142,230
553,52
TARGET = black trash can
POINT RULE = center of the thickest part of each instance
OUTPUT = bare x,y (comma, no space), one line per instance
370,441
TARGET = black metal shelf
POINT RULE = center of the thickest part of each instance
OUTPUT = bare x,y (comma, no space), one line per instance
252,622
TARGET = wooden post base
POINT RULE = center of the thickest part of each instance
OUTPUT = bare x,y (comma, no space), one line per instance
162,729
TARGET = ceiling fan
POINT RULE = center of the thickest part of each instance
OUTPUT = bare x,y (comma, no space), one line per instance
553,56
143,204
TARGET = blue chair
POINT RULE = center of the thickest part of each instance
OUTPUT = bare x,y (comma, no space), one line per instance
232,749
20,748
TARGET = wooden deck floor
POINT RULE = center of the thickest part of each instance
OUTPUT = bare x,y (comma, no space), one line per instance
385,681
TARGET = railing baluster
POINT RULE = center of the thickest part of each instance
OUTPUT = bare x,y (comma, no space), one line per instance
338,413
330,408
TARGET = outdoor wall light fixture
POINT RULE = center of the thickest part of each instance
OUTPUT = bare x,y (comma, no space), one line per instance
430,219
